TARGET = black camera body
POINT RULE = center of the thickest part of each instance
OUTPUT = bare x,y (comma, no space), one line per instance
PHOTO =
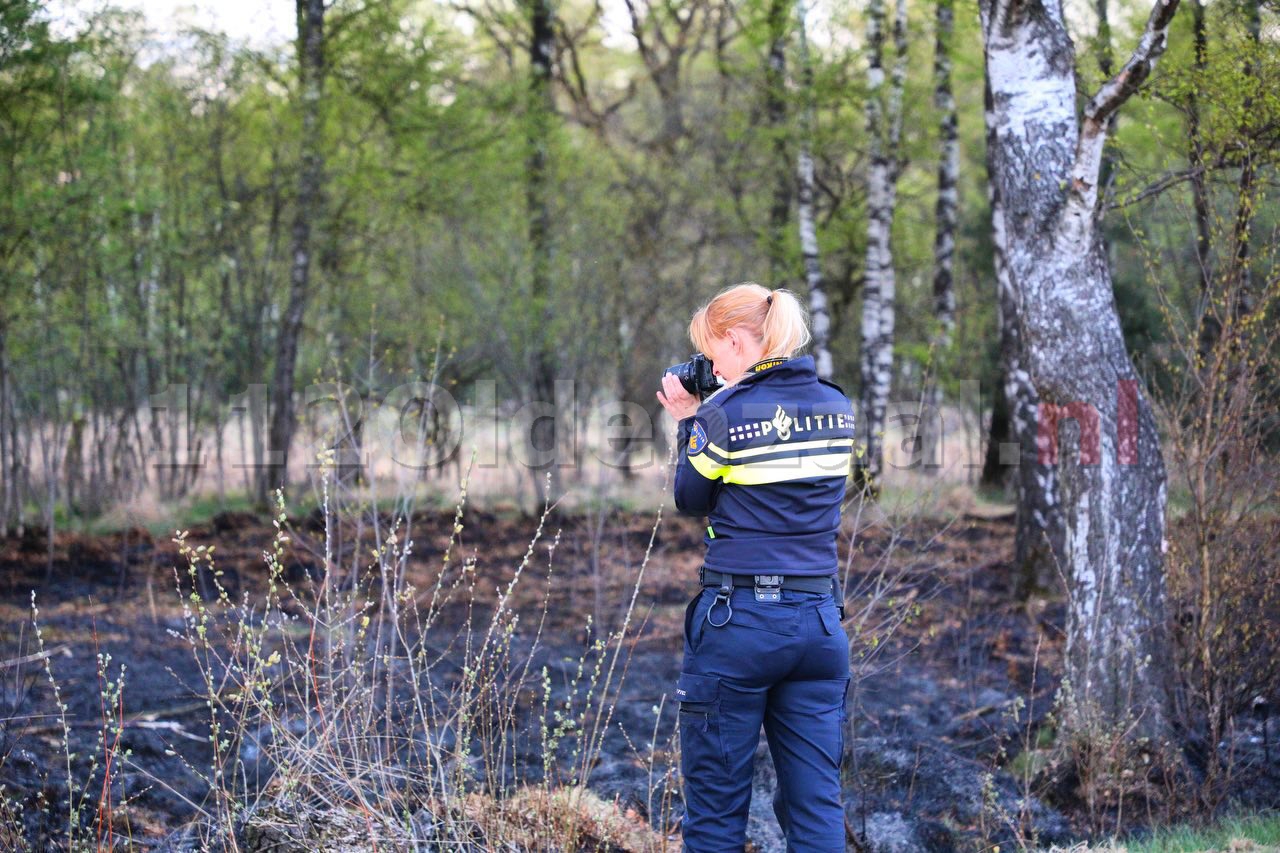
696,376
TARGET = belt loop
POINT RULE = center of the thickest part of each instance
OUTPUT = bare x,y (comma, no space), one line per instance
726,592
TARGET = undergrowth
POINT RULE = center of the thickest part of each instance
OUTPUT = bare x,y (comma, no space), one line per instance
377,708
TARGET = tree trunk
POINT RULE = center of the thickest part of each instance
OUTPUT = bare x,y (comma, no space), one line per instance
884,130
994,469
543,432
819,317
1039,539
1106,64
1243,300
944,240
776,110
311,66
1044,167
73,465
1210,327
8,474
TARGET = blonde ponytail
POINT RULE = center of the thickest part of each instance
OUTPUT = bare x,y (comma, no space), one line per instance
785,328
775,317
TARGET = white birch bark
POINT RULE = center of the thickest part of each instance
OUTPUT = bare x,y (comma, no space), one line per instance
944,297
884,131
1039,539
1044,165
944,241
819,315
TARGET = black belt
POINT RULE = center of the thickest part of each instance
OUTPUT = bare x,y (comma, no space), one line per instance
767,587
710,577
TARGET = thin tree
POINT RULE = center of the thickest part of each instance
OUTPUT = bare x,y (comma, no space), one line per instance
819,316
311,78
1209,328
541,104
775,83
1229,299
945,218
884,133
1246,198
1106,64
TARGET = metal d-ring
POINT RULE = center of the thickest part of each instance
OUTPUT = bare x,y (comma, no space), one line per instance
722,593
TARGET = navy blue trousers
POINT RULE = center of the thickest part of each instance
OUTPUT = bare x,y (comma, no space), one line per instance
783,665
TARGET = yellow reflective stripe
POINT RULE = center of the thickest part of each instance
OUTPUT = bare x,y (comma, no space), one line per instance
816,444
795,468
835,463
707,466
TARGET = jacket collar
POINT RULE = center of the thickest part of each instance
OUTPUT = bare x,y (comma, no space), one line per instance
787,369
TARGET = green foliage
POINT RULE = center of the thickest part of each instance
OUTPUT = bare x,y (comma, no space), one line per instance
156,193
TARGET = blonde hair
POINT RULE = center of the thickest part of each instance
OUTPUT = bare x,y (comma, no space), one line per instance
775,317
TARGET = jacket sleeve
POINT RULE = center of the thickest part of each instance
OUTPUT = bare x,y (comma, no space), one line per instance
700,463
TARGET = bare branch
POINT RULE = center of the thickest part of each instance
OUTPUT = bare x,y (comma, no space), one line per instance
637,32
1112,95
506,40
1083,191
586,113
1164,182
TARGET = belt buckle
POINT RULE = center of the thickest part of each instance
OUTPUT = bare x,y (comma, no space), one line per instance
768,587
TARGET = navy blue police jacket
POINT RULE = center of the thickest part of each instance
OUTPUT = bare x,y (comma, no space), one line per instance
766,460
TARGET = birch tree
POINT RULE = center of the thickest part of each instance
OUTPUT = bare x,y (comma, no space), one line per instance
884,133
945,217
775,80
311,71
819,316
1044,167
1038,541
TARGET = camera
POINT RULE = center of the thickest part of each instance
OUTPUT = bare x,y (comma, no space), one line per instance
696,376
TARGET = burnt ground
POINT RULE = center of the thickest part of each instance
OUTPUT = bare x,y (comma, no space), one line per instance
934,708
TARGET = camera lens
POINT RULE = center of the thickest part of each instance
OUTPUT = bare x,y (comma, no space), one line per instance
696,376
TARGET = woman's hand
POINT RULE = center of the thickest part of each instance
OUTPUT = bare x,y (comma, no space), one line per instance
675,399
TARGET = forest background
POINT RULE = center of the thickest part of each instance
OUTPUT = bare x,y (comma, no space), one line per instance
399,236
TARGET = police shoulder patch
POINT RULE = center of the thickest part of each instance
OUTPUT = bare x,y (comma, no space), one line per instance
697,438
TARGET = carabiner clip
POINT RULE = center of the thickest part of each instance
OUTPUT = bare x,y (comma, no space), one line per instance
722,592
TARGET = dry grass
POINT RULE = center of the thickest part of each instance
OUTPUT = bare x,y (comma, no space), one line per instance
381,722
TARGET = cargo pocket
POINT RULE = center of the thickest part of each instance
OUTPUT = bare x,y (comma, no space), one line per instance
700,743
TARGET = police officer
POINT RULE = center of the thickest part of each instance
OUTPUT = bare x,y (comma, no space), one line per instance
765,459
